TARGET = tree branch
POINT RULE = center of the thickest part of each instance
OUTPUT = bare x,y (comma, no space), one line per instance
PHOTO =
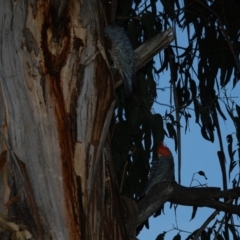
149,49
193,196
156,197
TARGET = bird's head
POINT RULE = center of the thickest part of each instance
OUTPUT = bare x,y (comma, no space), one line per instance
163,151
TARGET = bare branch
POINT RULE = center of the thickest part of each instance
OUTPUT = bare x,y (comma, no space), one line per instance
157,196
149,49
193,196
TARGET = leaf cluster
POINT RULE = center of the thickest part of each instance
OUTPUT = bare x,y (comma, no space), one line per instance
200,73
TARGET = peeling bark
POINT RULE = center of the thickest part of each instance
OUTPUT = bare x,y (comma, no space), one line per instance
59,99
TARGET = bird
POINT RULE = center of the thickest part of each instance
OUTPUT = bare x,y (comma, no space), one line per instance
122,55
162,168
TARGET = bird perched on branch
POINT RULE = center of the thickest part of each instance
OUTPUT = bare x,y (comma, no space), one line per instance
122,55
162,168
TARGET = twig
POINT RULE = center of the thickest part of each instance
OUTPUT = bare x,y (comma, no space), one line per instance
124,170
210,218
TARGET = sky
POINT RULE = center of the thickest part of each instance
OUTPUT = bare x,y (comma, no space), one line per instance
198,154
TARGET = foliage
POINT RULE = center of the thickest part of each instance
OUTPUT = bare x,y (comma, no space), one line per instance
200,74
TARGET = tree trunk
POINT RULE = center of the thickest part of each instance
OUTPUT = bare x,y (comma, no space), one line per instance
56,104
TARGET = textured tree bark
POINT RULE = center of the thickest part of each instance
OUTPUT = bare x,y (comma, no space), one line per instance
57,99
